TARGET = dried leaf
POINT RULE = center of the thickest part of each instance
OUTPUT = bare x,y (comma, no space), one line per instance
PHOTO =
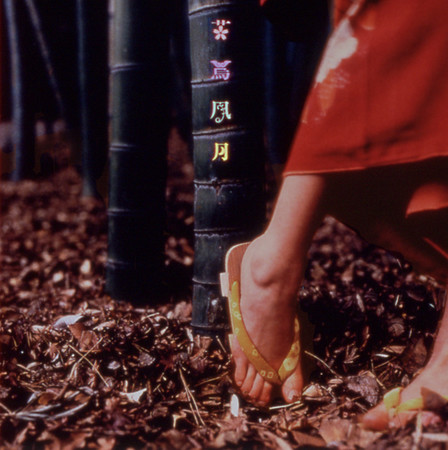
234,405
107,443
305,440
87,340
46,397
335,431
366,386
70,412
77,329
58,277
86,267
109,325
65,321
134,397
114,365
313,392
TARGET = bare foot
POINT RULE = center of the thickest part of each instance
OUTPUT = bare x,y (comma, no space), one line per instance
433,377
268,307
272,268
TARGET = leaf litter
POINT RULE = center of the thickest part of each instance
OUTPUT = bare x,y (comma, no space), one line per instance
79,370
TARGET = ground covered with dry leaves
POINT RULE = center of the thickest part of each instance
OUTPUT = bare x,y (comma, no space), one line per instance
79,370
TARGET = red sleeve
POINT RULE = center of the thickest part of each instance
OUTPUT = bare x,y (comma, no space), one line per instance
339,9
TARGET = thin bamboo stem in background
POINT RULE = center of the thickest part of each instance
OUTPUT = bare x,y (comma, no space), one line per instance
22,114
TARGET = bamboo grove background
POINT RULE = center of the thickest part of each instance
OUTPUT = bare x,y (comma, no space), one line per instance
112,72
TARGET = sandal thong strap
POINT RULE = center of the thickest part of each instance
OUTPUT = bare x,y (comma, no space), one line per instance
392,401
250,350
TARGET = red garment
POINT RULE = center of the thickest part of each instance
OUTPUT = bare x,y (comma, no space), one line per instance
380,95
340,8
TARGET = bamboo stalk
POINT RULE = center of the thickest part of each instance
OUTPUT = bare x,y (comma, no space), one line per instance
139,111
22,114
45,54
93,86
227,71
2,95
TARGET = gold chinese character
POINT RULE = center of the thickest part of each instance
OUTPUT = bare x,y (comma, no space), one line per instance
221,151
220,111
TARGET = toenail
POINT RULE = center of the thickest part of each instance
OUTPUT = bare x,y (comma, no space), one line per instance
293,396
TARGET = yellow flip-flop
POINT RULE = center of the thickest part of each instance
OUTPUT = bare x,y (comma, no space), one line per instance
394,405
230,287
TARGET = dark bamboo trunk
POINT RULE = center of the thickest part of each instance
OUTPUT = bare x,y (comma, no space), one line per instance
289,70
2,80
139,129
228,150
93,83
22,112
44,50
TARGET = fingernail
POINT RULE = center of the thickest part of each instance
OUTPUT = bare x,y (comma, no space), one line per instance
293,396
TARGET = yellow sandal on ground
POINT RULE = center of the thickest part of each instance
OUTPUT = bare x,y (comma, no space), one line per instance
230,287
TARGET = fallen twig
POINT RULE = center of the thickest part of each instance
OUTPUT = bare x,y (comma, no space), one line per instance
6,408
82,358
323,363
91,364
194,409
417,435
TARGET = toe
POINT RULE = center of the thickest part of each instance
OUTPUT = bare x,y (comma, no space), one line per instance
266,394
377,419
241,364
240,374
293,385
246,387
402,419
257,388
430,419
